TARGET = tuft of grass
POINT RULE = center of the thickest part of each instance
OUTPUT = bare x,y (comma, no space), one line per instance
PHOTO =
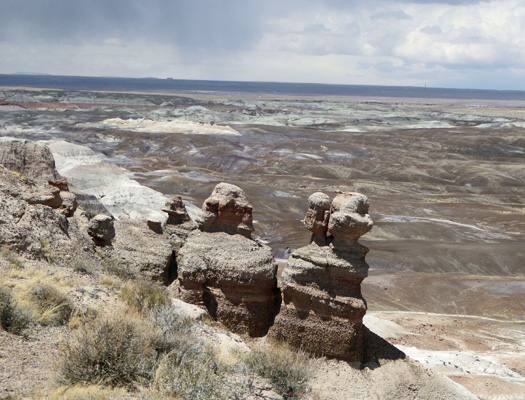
112,352
12,318
287,370
120,272
46,251
143,295
54,306
86,392
11,257
192,371
110,281
84,266
80,318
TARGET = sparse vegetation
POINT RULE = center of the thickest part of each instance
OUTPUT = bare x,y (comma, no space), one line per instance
12,318
46,251
112,351
120,272
143,295
84,266
11,257
54,307
287,370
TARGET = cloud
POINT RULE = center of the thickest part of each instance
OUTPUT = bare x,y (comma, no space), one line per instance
337,41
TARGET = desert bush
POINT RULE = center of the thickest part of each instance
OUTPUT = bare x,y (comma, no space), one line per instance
143,295
12,318
169,327
84,266
122,273
112,352
80,317
287,370
11,257
191,371
53,306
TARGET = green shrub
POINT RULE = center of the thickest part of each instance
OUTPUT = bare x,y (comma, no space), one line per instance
112,352
288,371
143,295
12,318
54,307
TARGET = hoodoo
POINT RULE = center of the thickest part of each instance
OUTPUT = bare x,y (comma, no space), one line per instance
323,309
222,268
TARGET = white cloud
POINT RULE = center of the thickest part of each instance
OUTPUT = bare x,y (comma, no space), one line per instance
402,42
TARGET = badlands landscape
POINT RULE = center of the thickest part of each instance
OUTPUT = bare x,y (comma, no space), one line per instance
445,181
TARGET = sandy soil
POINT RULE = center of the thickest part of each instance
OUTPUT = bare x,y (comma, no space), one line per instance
484,355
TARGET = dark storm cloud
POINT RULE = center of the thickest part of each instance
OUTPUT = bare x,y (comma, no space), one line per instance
198,23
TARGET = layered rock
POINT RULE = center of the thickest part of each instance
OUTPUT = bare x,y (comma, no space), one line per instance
323,307
34,162
222,268
226,210
30,159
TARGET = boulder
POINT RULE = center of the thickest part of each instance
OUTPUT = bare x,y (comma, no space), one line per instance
176,211
323,308
31,160
226,210
101,229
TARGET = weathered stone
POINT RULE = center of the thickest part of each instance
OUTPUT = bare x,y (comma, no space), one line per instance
226,210
154,225
60,184
349,219
101,229
233,276
30,159
69,203
317,216
176,211
323,307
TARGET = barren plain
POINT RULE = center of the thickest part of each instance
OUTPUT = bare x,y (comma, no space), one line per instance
445,180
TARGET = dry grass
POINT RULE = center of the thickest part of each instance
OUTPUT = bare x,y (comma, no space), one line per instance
11,257
84,266
54,306
287,370
143,295
12,318
113,352
89,392
42,295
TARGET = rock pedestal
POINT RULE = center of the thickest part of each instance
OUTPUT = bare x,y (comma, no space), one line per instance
221,268
323,307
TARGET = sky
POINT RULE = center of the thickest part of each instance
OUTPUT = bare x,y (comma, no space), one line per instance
477,44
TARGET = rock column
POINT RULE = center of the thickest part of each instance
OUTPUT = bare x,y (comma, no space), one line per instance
323,308
221,268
